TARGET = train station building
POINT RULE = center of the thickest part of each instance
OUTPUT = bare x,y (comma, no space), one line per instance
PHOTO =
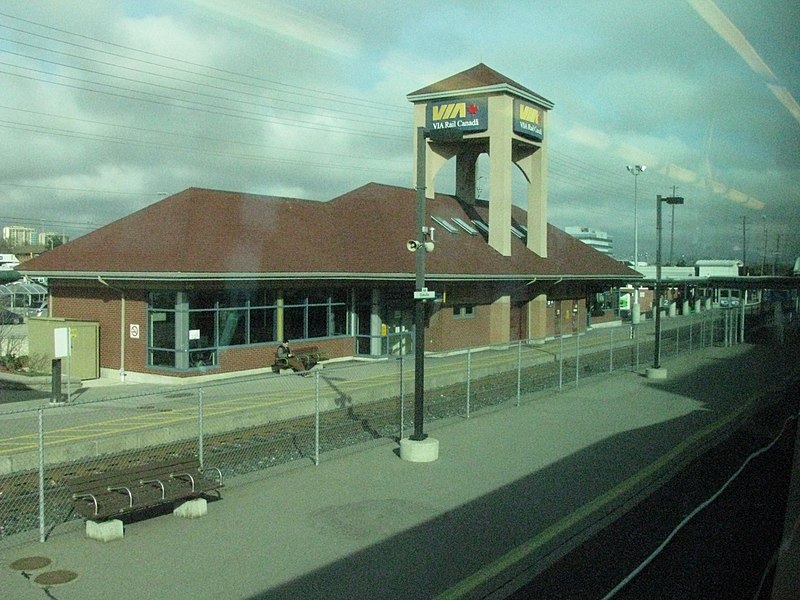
209,281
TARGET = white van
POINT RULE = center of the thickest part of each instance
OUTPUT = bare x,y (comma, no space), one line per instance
8,261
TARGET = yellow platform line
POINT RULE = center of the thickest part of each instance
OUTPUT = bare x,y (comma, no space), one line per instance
212,408
132,423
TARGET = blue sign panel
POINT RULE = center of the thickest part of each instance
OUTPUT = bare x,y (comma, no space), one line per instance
528,120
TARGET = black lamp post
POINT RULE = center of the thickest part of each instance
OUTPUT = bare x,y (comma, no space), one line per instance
421,246
673,200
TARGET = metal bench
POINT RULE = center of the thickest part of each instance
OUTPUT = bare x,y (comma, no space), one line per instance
305,354
118,491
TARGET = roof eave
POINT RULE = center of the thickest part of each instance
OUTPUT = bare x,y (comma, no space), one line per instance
499,88
293,276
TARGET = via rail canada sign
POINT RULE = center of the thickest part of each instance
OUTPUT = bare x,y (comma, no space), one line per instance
468,115
528,120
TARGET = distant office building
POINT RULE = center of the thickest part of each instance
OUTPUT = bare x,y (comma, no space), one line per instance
16,235
598,240
50,239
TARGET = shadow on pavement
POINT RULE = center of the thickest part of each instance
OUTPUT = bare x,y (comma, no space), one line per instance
530,523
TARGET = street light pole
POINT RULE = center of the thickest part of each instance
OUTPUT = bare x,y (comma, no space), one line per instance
744,245
764,257
419,447
635,170
657,372
419,304
672,229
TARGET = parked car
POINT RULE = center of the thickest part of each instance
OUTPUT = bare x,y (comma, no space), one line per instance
9,317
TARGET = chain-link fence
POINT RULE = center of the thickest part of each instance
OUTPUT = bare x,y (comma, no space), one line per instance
248,424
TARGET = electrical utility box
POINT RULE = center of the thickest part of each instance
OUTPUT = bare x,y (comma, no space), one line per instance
82,338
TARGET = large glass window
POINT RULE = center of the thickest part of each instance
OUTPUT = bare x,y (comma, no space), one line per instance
199,322
161,321
233,327
263,325
314,314
231,317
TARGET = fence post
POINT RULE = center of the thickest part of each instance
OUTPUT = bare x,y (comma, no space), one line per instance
200,440
40,413
678,339
316,417
561,361
469,377
712,325
402,396
519,369
577,358
726,331
611,353
703,330
724,327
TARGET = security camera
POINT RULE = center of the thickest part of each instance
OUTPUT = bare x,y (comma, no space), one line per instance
414,245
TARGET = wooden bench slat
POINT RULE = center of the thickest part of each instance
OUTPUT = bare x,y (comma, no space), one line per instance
137,487
114,474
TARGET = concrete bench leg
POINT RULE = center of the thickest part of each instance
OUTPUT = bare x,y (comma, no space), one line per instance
104,531
192,509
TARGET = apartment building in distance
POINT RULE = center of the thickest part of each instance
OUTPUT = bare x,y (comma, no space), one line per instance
599,240
17,235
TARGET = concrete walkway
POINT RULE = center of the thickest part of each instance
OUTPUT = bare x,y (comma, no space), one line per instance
512,488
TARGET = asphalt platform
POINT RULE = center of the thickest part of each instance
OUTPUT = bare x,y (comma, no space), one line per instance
514,490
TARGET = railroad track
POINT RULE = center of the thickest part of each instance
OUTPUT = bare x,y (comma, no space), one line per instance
262,446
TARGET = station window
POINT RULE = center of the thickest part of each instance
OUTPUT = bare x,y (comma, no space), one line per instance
187,329
463,311
314,314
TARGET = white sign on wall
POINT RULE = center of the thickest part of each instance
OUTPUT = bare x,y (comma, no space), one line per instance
134,331
62,347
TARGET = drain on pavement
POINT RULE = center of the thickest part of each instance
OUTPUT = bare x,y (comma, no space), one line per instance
30,563
55,577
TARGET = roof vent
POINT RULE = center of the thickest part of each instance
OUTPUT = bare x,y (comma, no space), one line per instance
465,226
447,225
481,225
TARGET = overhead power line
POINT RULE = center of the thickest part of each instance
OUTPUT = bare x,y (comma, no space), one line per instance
338,111
176,134
256,80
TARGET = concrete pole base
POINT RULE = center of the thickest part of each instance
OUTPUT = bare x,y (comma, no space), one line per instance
192,509
105,531
426,450
653,373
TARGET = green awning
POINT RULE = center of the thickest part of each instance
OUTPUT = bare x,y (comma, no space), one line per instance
9,275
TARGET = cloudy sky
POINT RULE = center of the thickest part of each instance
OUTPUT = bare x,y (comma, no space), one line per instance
108,105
